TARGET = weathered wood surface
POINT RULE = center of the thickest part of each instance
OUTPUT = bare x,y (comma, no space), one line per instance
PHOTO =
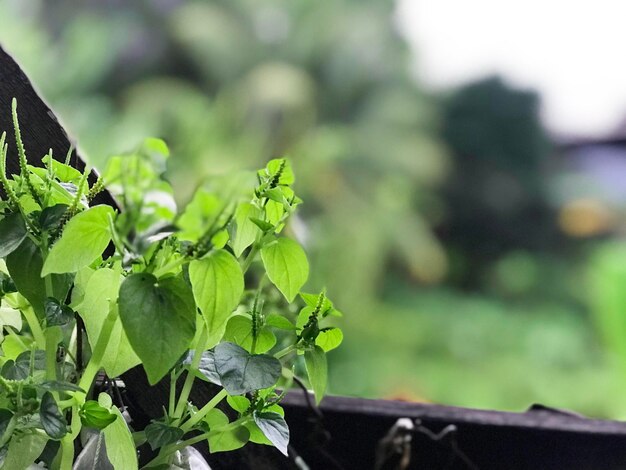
41,130
348,429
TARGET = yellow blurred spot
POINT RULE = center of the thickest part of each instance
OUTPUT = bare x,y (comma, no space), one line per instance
585,218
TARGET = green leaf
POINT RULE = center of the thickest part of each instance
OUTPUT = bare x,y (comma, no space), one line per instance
286,266
12,233
317,370
242,372
24,450
100,295
93,415
159,318
84,238
199,214
52,419
56,313
238,403
239,331
278,321
329,338
247,230
281,167
153,144
64,172
274,428
24,266
327,306
225,440
160,434
119,441
274,212
217,283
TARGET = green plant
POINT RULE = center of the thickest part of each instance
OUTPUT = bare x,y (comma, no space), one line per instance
182,294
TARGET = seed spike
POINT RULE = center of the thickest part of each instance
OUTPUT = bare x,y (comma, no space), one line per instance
22,153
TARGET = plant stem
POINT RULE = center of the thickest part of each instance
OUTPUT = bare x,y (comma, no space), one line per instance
98,352
250,258
51,354
283,352
195,362
169,266
35,327
67,442
169,450
202,412
172,403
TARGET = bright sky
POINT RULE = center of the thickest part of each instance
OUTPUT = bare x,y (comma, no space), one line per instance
572,51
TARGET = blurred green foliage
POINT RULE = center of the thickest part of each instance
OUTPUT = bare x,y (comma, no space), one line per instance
230,84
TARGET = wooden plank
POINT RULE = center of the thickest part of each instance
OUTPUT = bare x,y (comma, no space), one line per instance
40,128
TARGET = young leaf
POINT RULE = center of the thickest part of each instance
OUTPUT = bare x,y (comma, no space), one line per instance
217,283
84,238
225,440
274,428
52,419
242,372
238,403
286,266
99,296
12,233
94,415
239,331
164,308
24,450
56,313
280,322
317,370
160,434
247,230
329,338
119,441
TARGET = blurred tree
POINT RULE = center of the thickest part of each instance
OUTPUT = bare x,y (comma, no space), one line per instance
230,84
496,196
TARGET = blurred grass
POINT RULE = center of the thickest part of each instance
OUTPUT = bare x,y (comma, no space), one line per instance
471,350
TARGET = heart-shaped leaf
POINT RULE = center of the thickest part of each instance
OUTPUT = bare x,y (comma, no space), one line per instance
159,318
286,266
56,313
241,372
84,238
217,283
160,434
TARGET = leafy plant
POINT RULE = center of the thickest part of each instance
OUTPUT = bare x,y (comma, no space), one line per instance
205,294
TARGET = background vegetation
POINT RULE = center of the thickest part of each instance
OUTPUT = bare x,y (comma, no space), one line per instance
446,227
